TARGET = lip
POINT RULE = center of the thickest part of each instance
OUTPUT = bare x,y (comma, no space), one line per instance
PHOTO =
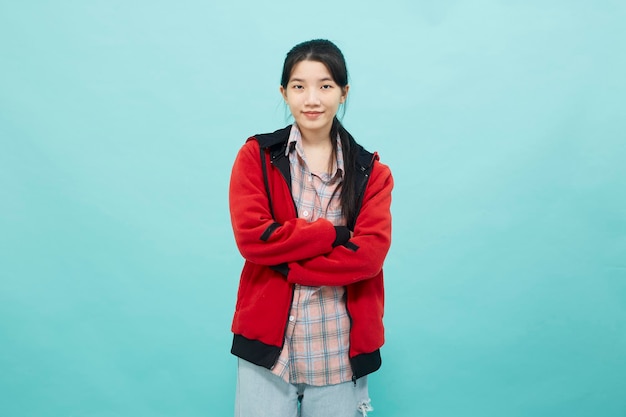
311,114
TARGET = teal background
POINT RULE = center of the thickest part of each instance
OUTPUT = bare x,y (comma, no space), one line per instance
503,123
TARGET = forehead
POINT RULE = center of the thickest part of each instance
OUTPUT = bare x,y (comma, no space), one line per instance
310,70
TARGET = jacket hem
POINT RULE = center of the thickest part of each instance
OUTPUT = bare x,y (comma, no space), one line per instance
365,363
255,351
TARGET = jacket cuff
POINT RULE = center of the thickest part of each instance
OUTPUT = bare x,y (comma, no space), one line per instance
343,235
282,268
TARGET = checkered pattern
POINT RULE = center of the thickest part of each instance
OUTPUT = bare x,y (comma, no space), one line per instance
317,337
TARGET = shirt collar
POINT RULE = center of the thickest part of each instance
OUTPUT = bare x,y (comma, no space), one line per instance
294,144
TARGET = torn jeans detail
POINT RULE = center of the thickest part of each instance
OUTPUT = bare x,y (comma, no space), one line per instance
365,406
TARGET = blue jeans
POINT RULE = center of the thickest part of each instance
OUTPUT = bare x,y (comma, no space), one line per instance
260,393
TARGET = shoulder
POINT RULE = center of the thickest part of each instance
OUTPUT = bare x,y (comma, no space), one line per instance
377,174
371,161
266,140
380,175
379,168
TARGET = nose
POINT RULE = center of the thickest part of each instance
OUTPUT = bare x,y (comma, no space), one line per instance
312,97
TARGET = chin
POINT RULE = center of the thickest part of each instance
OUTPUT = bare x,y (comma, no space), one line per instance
314,125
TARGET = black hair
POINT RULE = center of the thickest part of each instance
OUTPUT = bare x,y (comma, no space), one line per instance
326,52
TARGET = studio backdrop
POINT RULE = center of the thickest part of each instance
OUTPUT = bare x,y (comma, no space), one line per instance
503,124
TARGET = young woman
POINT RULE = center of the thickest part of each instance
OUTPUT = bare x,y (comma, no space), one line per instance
310,210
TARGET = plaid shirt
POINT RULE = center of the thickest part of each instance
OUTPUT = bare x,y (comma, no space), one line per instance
316,345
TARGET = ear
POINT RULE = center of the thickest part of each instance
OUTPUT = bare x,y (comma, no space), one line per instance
283,92
344,97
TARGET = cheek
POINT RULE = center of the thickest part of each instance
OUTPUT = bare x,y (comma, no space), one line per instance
292,100
335,104
337,100
292,106
293,109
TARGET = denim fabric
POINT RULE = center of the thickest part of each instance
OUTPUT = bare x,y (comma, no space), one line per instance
260,393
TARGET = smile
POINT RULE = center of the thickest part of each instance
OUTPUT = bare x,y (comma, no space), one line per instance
312,114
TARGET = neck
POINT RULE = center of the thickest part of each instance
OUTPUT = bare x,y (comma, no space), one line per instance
319,152
315,139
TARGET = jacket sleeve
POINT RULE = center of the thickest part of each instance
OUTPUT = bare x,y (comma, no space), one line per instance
363,256
259,237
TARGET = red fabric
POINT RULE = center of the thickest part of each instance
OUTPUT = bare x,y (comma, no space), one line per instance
264,296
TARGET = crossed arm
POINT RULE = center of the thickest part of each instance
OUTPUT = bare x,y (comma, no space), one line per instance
309,253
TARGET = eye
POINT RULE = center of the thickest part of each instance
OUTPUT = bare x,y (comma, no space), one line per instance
327,87
297,87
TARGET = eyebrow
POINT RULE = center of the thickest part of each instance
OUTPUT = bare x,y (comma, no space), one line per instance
299,80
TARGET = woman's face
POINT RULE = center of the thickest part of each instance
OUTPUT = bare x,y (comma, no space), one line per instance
313,97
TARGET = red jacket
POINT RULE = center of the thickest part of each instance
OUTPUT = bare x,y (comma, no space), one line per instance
281,250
